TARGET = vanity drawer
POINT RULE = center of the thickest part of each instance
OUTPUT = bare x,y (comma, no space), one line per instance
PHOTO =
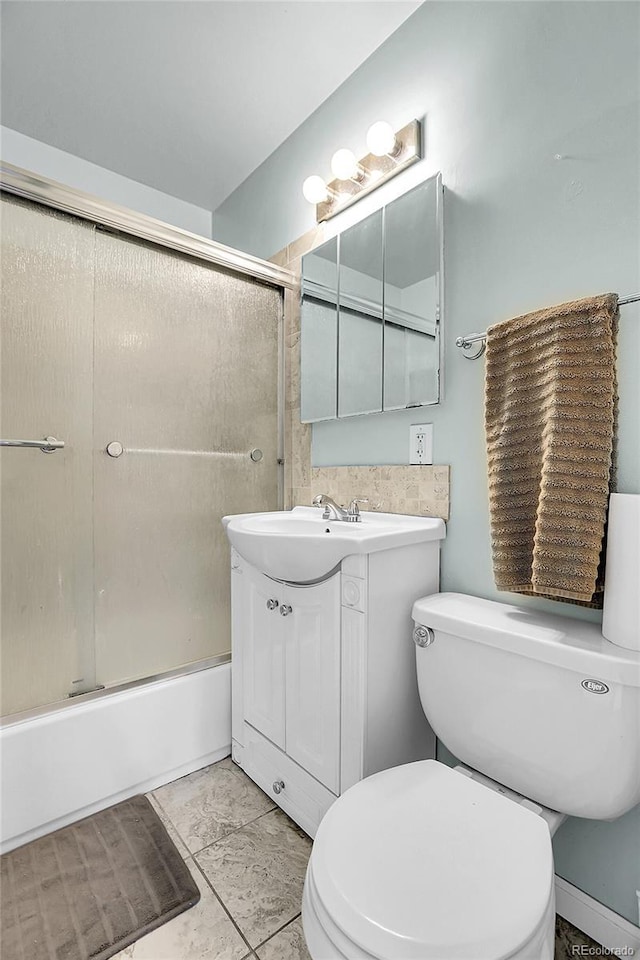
303,798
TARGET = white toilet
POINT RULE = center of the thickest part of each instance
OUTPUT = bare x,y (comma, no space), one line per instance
424,862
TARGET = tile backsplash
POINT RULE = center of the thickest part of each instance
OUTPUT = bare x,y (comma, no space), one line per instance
419,490
414,490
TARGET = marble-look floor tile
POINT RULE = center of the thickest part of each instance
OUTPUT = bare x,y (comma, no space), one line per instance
203,932
568,937
258,873
211,803
288,944
169,827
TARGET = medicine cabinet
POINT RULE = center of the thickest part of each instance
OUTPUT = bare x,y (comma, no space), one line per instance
372,311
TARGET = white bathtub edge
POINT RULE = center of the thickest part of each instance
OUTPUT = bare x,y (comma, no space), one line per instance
59,768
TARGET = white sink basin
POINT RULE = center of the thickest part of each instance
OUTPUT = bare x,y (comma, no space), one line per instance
299,546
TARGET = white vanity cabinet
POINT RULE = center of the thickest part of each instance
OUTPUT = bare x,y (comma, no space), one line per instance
324,687
291,654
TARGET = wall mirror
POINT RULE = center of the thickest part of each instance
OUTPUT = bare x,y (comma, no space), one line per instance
371,312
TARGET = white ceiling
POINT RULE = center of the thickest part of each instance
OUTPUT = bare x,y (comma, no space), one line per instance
188,97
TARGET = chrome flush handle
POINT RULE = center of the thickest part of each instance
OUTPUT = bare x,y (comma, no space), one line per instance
423,636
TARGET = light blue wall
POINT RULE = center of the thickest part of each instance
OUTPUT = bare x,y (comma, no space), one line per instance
72,171
504,87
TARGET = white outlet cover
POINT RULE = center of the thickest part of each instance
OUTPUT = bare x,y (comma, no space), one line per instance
421,443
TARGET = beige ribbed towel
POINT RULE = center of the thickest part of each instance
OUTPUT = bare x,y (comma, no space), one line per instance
550,393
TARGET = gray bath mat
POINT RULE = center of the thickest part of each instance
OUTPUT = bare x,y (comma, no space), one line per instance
89,890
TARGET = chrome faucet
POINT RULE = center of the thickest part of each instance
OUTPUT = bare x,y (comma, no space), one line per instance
333,512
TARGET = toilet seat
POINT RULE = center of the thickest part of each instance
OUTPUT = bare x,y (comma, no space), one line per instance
423,863
326,942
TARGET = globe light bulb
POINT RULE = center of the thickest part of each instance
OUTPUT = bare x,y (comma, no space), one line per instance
381,140
344,165
315,189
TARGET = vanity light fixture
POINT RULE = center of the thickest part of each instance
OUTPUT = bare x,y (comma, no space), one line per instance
382,141
390,152
316,191
344,166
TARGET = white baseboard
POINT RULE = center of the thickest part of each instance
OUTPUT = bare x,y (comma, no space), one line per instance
67,764
597,921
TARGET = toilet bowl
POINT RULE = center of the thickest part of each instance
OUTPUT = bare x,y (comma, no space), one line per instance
421,862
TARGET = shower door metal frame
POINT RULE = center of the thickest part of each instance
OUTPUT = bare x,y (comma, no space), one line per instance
30,186
19,182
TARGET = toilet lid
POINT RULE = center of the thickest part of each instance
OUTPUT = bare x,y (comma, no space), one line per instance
422,863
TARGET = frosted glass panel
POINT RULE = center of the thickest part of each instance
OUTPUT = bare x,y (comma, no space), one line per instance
118,568
185,368
46,499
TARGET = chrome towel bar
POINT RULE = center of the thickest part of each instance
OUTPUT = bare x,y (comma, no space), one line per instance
470,339
48,445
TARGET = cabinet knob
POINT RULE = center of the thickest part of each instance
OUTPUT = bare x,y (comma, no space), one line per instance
272,604
285,610
278,786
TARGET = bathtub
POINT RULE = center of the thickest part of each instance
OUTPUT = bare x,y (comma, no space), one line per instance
66,762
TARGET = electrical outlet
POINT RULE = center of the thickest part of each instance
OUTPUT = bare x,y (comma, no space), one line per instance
421,443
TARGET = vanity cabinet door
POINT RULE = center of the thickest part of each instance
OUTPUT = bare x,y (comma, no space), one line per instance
264,656
313,680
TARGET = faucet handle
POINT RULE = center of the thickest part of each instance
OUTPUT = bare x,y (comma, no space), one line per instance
353,509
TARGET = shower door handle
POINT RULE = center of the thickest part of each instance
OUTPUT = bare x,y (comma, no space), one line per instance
48,445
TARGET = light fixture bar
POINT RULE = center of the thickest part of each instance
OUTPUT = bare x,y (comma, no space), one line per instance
377,170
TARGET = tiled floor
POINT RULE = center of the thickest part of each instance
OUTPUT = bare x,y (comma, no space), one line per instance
249,860
568,938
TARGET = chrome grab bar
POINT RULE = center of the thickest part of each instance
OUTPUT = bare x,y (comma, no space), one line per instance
48,445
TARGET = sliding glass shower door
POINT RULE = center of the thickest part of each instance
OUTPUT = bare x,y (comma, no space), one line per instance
116,567
46,498
186,380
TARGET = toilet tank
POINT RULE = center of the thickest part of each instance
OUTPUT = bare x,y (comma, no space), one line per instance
541,703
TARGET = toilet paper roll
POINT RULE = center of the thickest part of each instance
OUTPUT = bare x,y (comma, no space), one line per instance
621,614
